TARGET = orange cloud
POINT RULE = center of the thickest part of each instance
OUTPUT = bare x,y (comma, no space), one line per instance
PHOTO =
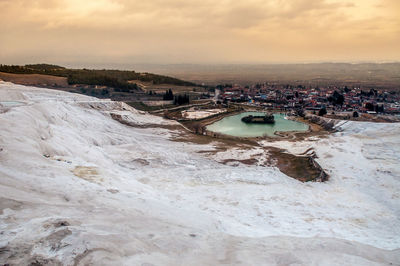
198,31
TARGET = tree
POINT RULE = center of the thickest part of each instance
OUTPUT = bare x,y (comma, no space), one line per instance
322,111
340,100
336,98
179,100
369,106
379,108
168,96
104,92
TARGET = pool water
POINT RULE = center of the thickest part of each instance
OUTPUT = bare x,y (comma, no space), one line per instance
11,103
233,125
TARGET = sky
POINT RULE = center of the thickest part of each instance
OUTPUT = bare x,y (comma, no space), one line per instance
198,31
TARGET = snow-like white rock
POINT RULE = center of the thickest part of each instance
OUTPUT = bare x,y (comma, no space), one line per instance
199,114
78,187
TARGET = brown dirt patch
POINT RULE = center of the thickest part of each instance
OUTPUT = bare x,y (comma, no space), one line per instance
34,79
87,173
250,161
298,167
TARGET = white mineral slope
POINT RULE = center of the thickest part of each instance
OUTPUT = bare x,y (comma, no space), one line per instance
78,188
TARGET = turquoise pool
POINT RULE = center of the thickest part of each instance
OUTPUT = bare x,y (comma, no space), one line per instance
232,125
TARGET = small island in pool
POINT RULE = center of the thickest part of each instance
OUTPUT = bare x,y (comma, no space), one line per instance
259,119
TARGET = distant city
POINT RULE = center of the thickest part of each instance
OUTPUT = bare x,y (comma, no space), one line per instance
312,98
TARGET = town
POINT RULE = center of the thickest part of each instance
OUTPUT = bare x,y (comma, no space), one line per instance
331,98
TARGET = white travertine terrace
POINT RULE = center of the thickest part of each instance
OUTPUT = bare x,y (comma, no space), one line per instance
78,187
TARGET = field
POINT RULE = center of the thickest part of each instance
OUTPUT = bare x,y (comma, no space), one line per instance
34,79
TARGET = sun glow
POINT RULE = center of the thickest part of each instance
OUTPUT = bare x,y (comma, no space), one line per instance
196,31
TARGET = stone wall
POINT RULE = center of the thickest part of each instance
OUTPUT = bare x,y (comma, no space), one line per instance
326,123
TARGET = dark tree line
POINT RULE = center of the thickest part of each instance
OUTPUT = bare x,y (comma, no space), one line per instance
168,96
45,67
374,107
102,80
369,93
181,99
223,86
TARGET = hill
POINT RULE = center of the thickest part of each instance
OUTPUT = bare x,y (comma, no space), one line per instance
121,85
35,79
120,79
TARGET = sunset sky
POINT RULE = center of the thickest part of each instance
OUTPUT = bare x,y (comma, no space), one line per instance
198,31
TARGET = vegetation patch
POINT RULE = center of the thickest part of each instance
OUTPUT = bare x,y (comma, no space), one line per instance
118,79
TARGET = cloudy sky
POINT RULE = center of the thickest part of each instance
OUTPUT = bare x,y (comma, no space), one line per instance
198,31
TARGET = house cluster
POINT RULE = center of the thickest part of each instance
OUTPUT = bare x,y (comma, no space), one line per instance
312,98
